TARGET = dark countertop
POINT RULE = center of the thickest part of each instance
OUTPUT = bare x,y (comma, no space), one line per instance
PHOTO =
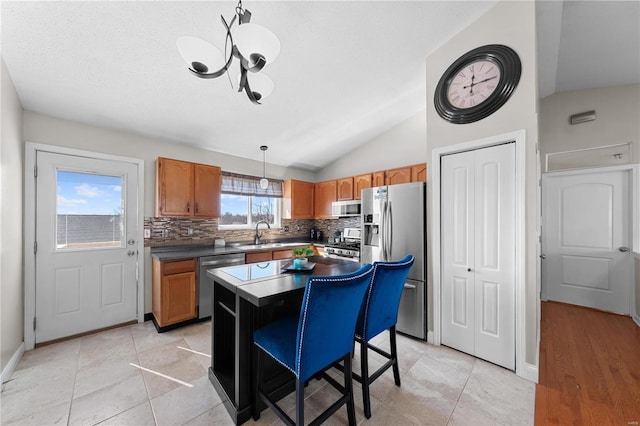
262,283
185,252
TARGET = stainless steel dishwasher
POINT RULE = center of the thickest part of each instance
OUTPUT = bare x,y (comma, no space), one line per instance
205,284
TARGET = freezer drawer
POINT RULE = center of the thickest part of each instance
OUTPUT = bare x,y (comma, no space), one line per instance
412,318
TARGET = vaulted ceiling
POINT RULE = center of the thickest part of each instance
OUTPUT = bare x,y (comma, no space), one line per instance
347,71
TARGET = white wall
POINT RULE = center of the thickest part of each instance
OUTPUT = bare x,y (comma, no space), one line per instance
48,130
11,202
511,23
402,145
617,111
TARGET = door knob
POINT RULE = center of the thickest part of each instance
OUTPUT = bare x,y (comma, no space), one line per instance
624,249
131,242
543,256
131,253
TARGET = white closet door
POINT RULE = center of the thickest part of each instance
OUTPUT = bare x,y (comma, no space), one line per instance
478,253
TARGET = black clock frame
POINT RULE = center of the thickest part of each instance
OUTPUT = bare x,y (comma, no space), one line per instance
510,69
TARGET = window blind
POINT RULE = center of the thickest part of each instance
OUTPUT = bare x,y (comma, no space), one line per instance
235,183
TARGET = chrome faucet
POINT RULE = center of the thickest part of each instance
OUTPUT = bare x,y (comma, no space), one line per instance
257,237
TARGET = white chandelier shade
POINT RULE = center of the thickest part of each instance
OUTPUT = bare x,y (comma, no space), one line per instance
254,41
197,53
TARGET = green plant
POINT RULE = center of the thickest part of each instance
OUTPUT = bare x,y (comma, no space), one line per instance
301,252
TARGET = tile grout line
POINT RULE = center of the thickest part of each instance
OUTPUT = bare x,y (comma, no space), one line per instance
146,387
75,377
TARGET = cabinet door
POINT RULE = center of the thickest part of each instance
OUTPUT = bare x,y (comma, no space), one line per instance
345,189
257,256
377,179
400,175
281,254
325,194
359,183
174,184
178,298
298,199
206,190
419,172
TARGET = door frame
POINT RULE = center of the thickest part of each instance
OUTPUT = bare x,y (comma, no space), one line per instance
31,149
634,217
526,371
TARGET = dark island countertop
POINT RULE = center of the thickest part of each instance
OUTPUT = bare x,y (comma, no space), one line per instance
264,282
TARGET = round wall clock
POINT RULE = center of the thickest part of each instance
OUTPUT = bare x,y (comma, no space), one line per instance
477,84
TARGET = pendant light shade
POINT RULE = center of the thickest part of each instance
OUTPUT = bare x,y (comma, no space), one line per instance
254,42
254,45
199,55
264,182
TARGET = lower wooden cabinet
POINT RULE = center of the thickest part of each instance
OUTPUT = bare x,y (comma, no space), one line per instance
174,291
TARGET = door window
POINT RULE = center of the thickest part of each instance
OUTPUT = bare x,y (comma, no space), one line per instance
89,211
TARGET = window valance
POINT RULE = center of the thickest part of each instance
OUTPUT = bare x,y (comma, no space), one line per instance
235,183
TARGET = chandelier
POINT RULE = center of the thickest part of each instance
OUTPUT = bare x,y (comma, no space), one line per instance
252,44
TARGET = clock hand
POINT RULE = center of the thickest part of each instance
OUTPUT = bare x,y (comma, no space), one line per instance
487,79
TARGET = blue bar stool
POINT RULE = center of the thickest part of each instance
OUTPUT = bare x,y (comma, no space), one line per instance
308,343
379,312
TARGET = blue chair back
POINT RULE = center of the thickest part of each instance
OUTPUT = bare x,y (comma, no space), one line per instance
379,310
328,319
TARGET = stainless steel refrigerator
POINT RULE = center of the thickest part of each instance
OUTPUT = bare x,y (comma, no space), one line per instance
393,225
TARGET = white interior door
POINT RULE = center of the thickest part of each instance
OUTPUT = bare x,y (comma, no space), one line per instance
587,237
478,253
86,258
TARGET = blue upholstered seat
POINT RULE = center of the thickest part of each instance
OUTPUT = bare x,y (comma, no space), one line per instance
323,333
379,312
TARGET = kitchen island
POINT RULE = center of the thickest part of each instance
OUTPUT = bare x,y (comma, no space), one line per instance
246,298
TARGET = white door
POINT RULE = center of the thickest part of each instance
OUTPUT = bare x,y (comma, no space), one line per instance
478,253
86,258
586,232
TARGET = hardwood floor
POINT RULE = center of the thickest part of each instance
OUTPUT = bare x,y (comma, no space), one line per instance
589,367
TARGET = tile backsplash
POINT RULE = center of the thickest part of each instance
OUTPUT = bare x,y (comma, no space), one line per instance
171,231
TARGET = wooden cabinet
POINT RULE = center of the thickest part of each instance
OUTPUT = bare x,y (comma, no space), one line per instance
281,254
419,172
297,202
325,194
359,183
399,175
173,291
345,189
185,189
257,256
206,190
377,179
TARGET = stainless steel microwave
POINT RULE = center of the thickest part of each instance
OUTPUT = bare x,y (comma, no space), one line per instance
345,208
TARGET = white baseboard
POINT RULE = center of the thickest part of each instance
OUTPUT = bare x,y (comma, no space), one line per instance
430,337
529,372
13,363
636,319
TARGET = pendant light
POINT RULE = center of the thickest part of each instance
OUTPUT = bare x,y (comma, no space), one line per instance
253,45
264,182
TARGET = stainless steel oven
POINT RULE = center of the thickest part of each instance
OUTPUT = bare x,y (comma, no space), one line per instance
348,248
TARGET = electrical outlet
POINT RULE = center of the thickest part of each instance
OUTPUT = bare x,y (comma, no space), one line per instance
147,233
286,228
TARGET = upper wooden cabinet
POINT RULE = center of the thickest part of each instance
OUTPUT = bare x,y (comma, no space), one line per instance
187,189
377,179
325,194
206,190
298,199
359,183
419,172
396,176
345,189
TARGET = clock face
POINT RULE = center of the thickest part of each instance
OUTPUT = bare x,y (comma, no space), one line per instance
473,84
477,84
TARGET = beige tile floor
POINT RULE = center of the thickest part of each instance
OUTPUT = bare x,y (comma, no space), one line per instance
135,376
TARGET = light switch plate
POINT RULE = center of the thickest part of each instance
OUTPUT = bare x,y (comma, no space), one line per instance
147,233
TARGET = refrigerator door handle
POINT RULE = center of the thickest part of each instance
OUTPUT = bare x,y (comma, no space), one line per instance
383,225
389,231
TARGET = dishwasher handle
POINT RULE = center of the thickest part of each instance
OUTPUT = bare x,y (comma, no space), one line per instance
223,262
